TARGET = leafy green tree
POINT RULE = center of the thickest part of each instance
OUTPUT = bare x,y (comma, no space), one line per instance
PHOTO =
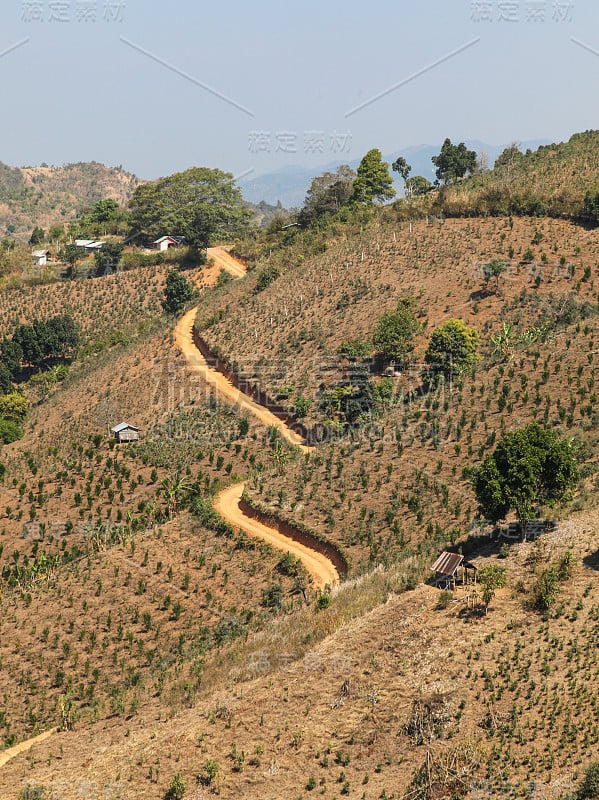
591,207
267,276
454,161
373,182
529,467
401,166
71,254
107,258
178,292
327,194
302,406
545,590
56,233
38,236
105,211
26,338
272,597
452,348
395,331
56,337
198,204
491,578
354,349
12,355
6,386
494,269
224,278
10,431
61,336
350,403
200,227
509,158
417,185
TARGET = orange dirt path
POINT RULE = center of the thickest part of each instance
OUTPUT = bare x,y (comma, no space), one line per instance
184,338
225,260
22,747
320,568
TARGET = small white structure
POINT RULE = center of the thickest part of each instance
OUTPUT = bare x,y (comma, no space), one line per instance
89,244
165,242
40,257
123,432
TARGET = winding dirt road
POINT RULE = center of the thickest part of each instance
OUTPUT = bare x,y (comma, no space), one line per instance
22,747
184,338
322,570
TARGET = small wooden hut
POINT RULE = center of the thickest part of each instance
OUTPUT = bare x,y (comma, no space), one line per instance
124,432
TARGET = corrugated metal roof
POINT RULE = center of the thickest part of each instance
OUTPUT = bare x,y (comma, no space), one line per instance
40,253
122,426
447,563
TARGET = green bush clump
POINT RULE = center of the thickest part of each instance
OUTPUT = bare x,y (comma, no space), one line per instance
10,431
267,276
589,788
324,601
176,789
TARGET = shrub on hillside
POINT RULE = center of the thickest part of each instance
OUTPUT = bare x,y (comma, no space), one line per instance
452,349
178,292
5,379
176,789
267,276
395,331
14,407
10,431
31,792
589,788
354,349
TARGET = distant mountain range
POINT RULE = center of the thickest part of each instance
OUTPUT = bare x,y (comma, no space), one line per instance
289,184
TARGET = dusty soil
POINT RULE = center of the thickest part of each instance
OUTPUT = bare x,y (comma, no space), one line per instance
23,747
224,260
319,566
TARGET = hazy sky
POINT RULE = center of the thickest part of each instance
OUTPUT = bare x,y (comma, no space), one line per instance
105,80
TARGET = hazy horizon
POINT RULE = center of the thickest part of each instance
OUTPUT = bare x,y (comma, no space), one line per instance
251,90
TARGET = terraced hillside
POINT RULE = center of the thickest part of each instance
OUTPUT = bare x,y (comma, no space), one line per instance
180,656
